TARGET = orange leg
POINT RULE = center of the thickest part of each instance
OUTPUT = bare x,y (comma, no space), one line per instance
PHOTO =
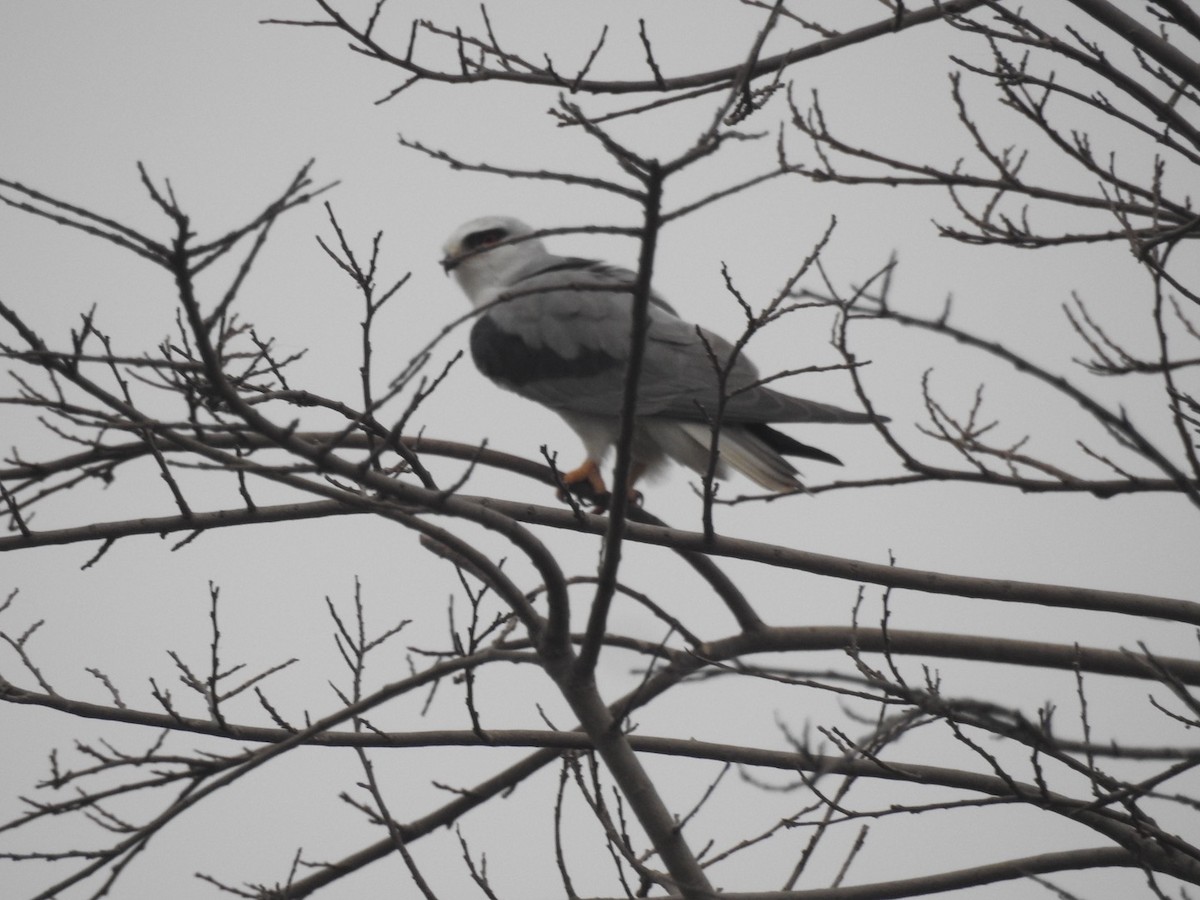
636,471
587,482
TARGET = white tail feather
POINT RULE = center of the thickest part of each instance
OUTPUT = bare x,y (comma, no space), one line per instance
688,444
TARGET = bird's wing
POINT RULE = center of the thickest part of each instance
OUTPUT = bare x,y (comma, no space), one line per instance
562,339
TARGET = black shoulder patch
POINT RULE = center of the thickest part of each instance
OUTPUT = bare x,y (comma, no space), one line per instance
505,358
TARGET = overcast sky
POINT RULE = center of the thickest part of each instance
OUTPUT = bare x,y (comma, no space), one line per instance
228,110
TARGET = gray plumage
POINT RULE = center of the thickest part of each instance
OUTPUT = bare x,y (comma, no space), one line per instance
560,337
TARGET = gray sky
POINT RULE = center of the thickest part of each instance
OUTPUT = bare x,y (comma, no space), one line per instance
228,110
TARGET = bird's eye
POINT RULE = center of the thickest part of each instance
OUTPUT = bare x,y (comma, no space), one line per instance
479,239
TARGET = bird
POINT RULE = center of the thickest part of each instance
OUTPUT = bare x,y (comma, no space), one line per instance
556,330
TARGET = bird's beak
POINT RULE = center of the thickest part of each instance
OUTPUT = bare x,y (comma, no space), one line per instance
450,262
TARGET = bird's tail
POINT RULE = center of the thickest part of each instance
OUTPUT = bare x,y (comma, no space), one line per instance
688,443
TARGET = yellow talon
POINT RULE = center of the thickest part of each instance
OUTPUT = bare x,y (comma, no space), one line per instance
587,483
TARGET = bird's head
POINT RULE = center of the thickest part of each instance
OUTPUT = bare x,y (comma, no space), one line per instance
485,254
